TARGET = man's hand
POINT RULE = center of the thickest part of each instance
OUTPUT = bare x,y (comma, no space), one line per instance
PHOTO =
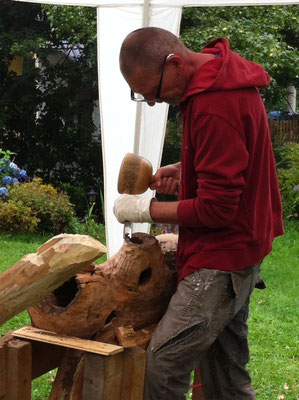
167,179
132,208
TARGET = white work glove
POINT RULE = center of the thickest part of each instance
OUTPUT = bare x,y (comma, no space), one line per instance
132,208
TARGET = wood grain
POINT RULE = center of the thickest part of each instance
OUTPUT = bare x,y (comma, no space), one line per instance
38,274
41,335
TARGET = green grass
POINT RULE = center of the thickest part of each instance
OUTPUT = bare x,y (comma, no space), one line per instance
273,321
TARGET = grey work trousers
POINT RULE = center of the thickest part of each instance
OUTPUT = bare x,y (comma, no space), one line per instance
205,324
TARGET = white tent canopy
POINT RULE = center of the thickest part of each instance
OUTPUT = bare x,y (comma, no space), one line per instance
163,3
127,126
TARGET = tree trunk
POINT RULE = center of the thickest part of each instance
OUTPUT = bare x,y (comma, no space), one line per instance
291,105
38,274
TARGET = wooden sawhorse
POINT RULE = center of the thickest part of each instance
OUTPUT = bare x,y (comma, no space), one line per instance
110,373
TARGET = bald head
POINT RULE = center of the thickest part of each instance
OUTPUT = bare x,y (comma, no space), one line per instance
147,48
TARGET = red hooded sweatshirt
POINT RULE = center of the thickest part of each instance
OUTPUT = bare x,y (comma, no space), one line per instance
230,207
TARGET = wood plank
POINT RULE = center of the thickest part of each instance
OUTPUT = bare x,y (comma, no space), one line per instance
91,346
113,377
19,361
133,374
102,377
3,368
45,358
284,131
94,380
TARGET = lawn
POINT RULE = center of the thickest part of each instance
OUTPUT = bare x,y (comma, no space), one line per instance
273,321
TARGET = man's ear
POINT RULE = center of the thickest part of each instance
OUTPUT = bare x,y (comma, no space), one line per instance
176,62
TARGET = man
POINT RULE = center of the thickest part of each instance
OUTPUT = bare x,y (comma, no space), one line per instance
228,211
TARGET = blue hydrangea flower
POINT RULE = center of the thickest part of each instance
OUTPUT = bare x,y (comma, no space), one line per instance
23,174
3,191
13,166
14,180
7,180
16,172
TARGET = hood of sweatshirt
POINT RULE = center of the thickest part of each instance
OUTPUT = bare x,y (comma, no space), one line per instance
228,71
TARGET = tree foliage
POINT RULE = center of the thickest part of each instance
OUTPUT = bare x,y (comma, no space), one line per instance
268,35
46,113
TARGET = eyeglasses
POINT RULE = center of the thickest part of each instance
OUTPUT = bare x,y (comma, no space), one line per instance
139,98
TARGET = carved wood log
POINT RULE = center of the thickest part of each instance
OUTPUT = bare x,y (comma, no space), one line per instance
133,288
38,274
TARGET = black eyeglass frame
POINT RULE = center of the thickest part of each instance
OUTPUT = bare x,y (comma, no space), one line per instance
157,98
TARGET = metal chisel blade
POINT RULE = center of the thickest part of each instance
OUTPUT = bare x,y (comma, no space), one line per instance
127,230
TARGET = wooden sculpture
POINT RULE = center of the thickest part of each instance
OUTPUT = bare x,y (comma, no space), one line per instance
132,288
38,274
119,301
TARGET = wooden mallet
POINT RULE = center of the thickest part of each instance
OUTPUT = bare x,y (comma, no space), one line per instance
135,174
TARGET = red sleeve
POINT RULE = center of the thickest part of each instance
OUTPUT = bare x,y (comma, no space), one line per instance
220,160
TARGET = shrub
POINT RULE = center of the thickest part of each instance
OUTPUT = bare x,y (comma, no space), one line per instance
90,228
15,217
77,197
52,208
288,176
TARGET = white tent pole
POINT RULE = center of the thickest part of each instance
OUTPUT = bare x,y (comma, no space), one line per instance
166,115
145,22
137,128
146,13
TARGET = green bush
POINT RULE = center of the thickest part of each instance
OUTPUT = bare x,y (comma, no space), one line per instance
173,142
172,147
87,227
15,217
52,208
77,197
91,228
288,176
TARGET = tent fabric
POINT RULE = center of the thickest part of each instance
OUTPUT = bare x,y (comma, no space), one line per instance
163,3
126,126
